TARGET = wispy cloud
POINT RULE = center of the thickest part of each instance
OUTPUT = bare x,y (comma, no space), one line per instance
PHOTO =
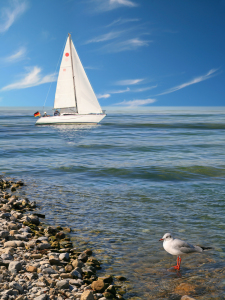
104,96
120,91
144,89
31,78
17,56
129,81
105,37
132,103
131,44
121,21
10,14
106,5
208,75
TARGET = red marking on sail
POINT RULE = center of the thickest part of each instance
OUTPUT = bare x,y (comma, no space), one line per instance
64,70
67,54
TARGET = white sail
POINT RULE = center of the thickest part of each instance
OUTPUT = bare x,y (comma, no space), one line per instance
65,94
86,100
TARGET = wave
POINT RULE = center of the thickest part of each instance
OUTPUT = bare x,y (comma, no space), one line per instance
152,173
201,126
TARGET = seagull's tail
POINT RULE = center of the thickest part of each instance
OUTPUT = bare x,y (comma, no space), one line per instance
206,248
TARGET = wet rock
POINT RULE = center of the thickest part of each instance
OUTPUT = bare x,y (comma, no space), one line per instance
120,278
107,279
111,289
77,263
87,295
185,288
60,235
83,257
53,260
98,286
62,284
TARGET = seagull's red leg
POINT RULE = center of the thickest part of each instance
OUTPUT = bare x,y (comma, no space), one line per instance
177,267
179,262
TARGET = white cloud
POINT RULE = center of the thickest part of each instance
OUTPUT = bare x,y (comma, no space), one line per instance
106,5
105,37
144,89
10,14
32,78
122,2
129,81
131,44
208,75
18,55
121,21
105,96
120,91
133,103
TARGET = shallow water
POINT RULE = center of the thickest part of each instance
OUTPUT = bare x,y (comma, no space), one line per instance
124,183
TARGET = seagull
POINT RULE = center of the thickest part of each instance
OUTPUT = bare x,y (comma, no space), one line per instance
179,248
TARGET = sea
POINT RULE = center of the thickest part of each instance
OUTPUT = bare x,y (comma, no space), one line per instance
122,184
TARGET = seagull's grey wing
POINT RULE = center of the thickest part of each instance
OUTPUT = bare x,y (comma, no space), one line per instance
185,247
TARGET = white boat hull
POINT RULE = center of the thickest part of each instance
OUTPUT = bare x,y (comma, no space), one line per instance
71,119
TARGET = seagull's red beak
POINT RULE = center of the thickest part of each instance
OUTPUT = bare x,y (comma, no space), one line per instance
160,240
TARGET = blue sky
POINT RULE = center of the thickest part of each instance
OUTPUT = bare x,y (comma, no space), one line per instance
135,52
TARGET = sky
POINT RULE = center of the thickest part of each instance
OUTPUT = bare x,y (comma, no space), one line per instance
136,53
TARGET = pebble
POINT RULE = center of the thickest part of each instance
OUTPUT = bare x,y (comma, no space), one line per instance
39,262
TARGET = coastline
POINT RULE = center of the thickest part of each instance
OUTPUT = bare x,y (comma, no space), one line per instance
39,261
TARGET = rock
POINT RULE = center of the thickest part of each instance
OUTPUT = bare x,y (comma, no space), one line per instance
53,260
34,219
185,288
77,263
15,265
5,256
107,279
120,278
4,234
60,235
36,256
31,269
83,257
10,244
19,243
43,246
98,286
49,271
16,286
62,284
64,256
68,268
41,297
185,297
108,295
12,226
75,274
87,295
111,289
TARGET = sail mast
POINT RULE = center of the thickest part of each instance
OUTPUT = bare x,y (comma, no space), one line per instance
73,73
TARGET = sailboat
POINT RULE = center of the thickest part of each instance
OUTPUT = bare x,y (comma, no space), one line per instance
75,101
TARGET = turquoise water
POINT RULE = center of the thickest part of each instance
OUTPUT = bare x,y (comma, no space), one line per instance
125,182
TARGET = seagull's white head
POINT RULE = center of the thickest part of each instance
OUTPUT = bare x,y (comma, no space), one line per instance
167,237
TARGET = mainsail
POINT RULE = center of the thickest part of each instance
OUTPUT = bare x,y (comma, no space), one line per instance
73,87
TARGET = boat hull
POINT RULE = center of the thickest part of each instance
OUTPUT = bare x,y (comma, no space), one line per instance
71,119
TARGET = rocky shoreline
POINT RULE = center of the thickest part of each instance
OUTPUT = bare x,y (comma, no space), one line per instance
39,262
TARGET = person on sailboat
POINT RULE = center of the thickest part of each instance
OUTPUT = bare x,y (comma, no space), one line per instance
56,113
45,114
